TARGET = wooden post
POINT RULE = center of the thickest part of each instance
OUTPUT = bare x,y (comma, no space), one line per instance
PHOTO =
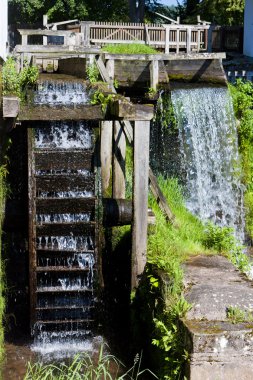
188,40
178,38
106,154
154,74
119,161
167,39
110,69
140,199
32,228
210,39
24,39
45,22
198,41
85,29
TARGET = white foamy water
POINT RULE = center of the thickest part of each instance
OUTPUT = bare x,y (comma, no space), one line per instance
61,93
64,135
65,344
208,139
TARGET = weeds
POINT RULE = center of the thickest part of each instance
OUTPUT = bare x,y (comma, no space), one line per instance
14,82
92,73
83,367
237,315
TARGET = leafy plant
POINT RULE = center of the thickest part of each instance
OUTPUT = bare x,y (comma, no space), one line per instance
221,239
92,73
237,315
14,82
100,98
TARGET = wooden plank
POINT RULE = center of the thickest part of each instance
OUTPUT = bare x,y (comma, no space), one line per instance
128,111
64,205
119,162
65,182
32,228
165,57
160,198
58,160
44,112
66,229
106,154
140,200
154,74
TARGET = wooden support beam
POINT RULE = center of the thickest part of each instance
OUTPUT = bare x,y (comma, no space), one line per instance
45,112
160,198
106,154
126,110
154,74
167,39
140,200
119,161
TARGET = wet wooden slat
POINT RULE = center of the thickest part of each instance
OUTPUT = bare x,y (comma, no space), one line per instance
65,183
64,205
62,269
58,160
65,229
58,290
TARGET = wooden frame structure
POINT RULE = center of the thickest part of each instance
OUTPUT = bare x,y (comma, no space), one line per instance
168,37
140,115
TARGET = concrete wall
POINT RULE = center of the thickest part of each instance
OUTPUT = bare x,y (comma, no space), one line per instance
248,28
4,28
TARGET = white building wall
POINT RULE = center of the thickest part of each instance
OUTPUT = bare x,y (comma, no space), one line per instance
3,27
248,28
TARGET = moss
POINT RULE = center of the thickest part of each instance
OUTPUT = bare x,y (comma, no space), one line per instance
190,78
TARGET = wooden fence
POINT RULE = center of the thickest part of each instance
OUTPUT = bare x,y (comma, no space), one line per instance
167,37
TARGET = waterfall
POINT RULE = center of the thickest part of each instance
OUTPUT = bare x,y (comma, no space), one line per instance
209,149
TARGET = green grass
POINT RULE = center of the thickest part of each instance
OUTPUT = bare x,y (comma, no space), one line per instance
242,95
129,49
168,247
84,367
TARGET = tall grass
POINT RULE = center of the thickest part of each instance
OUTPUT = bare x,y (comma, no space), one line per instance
83,367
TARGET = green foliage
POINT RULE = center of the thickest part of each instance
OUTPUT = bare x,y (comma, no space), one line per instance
15,83
165,112
168,247
219,238
221,12
100,98
237,315
151,93
83,367
129,49
92,73
242,94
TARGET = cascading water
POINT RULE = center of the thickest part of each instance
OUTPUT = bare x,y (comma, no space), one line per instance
65,260
209,149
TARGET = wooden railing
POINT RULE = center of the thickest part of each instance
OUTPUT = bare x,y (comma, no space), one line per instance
167,37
